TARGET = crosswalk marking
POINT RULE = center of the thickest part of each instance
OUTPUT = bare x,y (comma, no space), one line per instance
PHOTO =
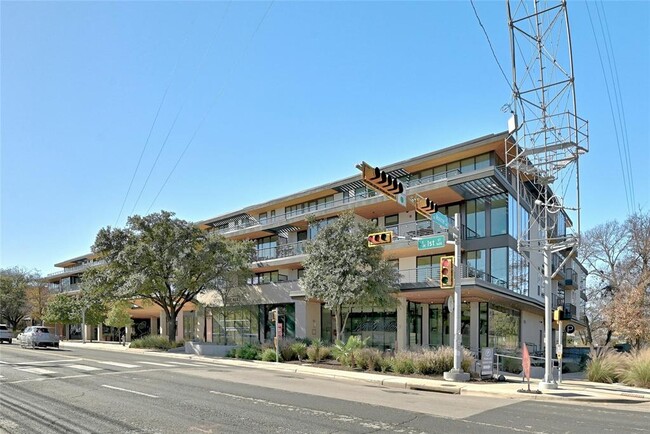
39,371
167,365
84,367
121,365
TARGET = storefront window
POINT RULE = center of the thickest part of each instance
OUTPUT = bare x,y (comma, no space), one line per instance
503,327
235,325
414,321
438,325
378,325
189,326
287,317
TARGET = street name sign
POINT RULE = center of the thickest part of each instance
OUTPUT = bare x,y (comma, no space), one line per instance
433,242
440,219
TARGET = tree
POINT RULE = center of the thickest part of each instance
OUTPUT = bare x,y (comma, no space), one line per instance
118,315
69,309
617,257
38,296
166,260
14,283
342,271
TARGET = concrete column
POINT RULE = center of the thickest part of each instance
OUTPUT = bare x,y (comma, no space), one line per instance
88,332
153,326
200,324
128,330
163,324
402,326
313,320
474,326
301,319
425,325
99,333
179,325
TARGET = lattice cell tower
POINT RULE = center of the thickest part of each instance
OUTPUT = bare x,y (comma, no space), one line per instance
546,141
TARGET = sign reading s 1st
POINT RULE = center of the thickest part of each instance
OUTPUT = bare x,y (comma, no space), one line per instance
433,242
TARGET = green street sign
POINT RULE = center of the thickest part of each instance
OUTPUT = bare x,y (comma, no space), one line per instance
433,242
440,219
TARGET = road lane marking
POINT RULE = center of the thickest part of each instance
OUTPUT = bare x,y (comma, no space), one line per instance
84,367
121,365
130,391
47,361
39,371
167,365
183,364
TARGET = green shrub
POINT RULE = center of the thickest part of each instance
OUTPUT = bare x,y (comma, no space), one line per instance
232,353
247,352
604,365
367,358
637,370
300,349
286,350
317,351
269,355
402,363
344,352
510,364
385,363
154,342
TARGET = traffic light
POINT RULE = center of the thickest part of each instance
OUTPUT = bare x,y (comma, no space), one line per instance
380,238
447,272
274,316
425,206
558,314
379,180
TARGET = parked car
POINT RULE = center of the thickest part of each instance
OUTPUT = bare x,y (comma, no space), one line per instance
6,335
38,336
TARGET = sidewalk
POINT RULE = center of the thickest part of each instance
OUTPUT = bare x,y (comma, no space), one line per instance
569,390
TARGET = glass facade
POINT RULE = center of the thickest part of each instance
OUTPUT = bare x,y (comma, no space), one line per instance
499,215
428,267
266,248
189,326
414,323
499,266
378,325
518,270
438,325
513,228
309,206
475,218
503,327
477,262
235,325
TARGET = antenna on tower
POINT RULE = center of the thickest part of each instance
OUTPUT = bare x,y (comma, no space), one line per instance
546,141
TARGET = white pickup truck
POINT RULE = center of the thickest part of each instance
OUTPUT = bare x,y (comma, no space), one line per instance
5,334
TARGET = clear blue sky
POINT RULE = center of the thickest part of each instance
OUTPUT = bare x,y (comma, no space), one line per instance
319,87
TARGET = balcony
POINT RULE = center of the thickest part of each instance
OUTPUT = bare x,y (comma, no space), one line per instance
279,251
570,312
570,278
76,268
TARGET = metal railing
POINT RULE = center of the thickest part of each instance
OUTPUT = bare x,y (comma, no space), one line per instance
533,361
279,251
77,267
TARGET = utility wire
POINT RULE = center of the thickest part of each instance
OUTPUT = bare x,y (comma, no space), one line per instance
609,97
187,93
490,44
155,119
619,99
214,101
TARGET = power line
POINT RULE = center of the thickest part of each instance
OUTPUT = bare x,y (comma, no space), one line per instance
214,102
611,107
187,94
490,44
146,143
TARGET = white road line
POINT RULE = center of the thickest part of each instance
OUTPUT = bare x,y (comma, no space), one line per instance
84,367
121,365
130,391
167,365
183,364
39,371
48,361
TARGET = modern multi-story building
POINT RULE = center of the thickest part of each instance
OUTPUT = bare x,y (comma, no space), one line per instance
502,291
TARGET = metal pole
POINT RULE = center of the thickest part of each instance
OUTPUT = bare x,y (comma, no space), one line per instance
559,353
548,382
458,349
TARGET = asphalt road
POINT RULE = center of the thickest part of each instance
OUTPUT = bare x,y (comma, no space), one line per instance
92,391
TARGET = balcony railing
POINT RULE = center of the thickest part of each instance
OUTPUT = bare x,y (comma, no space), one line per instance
570,277
368,193
77,268
280,251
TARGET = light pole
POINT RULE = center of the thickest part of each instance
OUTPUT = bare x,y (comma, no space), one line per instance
457,374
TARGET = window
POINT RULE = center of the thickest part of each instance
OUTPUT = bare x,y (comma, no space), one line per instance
475,218
513,228
499,215
476,261
314,228
499,266
266,277
301,273
266,248
235,325
517,272
391,223
262,218
309,206
428,269
503,327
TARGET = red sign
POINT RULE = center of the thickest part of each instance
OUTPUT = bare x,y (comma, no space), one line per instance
525,361
279,329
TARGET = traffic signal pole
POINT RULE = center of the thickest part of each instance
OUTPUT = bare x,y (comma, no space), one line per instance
457,374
